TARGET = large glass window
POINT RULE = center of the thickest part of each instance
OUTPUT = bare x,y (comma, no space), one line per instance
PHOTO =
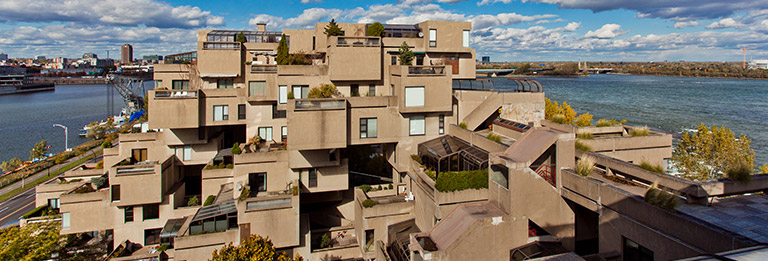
312,178
115,192
180,84
265,133
368,128
372,90
128,214
225,84
152,236
414,96
300,91
465,38
257,88
416,125
500,175
220,112
432,37
65,220
138,155
184,152
241,111
150,211
282,94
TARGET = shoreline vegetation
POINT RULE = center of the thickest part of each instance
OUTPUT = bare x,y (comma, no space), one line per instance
723,70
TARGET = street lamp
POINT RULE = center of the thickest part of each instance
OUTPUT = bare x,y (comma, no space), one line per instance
66,143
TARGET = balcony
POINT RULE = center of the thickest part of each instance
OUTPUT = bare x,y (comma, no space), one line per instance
220,58
320,104
302,70
317,124
426,70
436,84
358,42
263,68
173,109
143,182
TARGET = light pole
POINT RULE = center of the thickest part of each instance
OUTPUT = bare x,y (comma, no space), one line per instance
66,136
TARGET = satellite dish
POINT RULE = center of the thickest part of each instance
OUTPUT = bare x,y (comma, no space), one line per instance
239,187
421,34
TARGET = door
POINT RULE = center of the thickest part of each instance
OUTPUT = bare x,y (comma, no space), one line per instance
454,62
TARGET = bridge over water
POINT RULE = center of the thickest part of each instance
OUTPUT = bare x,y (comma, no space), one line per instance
496,72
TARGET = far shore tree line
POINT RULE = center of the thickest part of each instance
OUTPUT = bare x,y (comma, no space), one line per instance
680,68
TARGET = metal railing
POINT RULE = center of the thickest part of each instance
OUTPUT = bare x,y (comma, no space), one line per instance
320,104
547,171
358,42
221,45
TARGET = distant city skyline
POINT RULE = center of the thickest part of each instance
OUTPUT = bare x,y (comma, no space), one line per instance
505,30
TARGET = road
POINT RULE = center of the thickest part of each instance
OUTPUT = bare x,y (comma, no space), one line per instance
11,210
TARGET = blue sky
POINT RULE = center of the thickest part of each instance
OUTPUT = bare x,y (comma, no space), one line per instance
506,30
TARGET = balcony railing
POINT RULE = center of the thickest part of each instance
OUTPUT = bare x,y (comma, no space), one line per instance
547,171
358,42
144,166
426,70
264,69
221,45
320,104
175,94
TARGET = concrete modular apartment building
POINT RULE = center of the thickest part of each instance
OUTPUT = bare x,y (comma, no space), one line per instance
299,184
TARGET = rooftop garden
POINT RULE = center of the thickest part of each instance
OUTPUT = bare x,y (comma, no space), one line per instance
461,180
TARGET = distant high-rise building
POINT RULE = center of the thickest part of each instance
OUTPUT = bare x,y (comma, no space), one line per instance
3,56
90,56
486,59
126,54
39,57
153,57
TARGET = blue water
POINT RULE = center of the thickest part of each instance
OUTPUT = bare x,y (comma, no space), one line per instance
670,104
25,119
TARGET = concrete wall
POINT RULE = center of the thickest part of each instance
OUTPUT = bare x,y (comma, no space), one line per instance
317,128
173,112
199,247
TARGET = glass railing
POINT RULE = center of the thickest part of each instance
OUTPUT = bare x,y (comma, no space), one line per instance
320,104
358,42
221,45
264,68
175,94
426,70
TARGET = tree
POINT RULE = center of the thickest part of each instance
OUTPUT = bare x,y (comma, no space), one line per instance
375,29
282,52
406,55
98,130
240,38
764,169
325,90
710,153
299,58
12,164
39,150
332,29
34,241
254,247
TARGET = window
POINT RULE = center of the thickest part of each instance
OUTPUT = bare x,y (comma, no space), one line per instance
220,112
635,252
53,203
128,213
354,90
278,114
369,236
65,220
465,38
184,152
432,37
368,128
151,211
372,90
416,125
257,88
500,175
115,192
265,133
241,111
394,59
441,125
284,132
414,96
224,84
138,155
152,236
419,59
258,181
282,94
300,91
180,84
158,84
312,178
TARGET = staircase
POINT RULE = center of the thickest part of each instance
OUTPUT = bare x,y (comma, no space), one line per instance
484,110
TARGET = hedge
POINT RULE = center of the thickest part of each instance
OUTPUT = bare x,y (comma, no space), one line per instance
461,180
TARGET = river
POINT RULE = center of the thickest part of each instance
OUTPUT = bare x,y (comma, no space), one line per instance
667,103
26,119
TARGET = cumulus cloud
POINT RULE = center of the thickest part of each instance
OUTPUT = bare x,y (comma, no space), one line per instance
306,19
725,23
679,10
684,24
150,13
481,22
607,31
310,1
485,2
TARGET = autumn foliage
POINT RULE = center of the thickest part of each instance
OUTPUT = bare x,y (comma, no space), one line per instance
254,248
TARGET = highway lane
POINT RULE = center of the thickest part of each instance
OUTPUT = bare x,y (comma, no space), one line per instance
11,210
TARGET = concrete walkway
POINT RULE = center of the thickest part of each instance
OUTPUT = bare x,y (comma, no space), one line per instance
44,172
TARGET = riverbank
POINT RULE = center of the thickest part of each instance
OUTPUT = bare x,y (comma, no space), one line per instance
686,76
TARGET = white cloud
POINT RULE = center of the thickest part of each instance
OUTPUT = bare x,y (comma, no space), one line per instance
310,1
725,23
607,31
482,22
684,24
678,10
116,12
485,2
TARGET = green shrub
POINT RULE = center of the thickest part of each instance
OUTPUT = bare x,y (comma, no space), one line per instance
764,169
559,118
365,188
290,96
107,144
325,241
390,186
209,200
585,166
463,125
244,194
369,203
230,165
650,167
430,173
99,182
494,137
585,136
640,131
611,122
100,164
193,201
740,173
461,180
162,247
379,188
38,211
582,147
661,198
236,148
417,159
